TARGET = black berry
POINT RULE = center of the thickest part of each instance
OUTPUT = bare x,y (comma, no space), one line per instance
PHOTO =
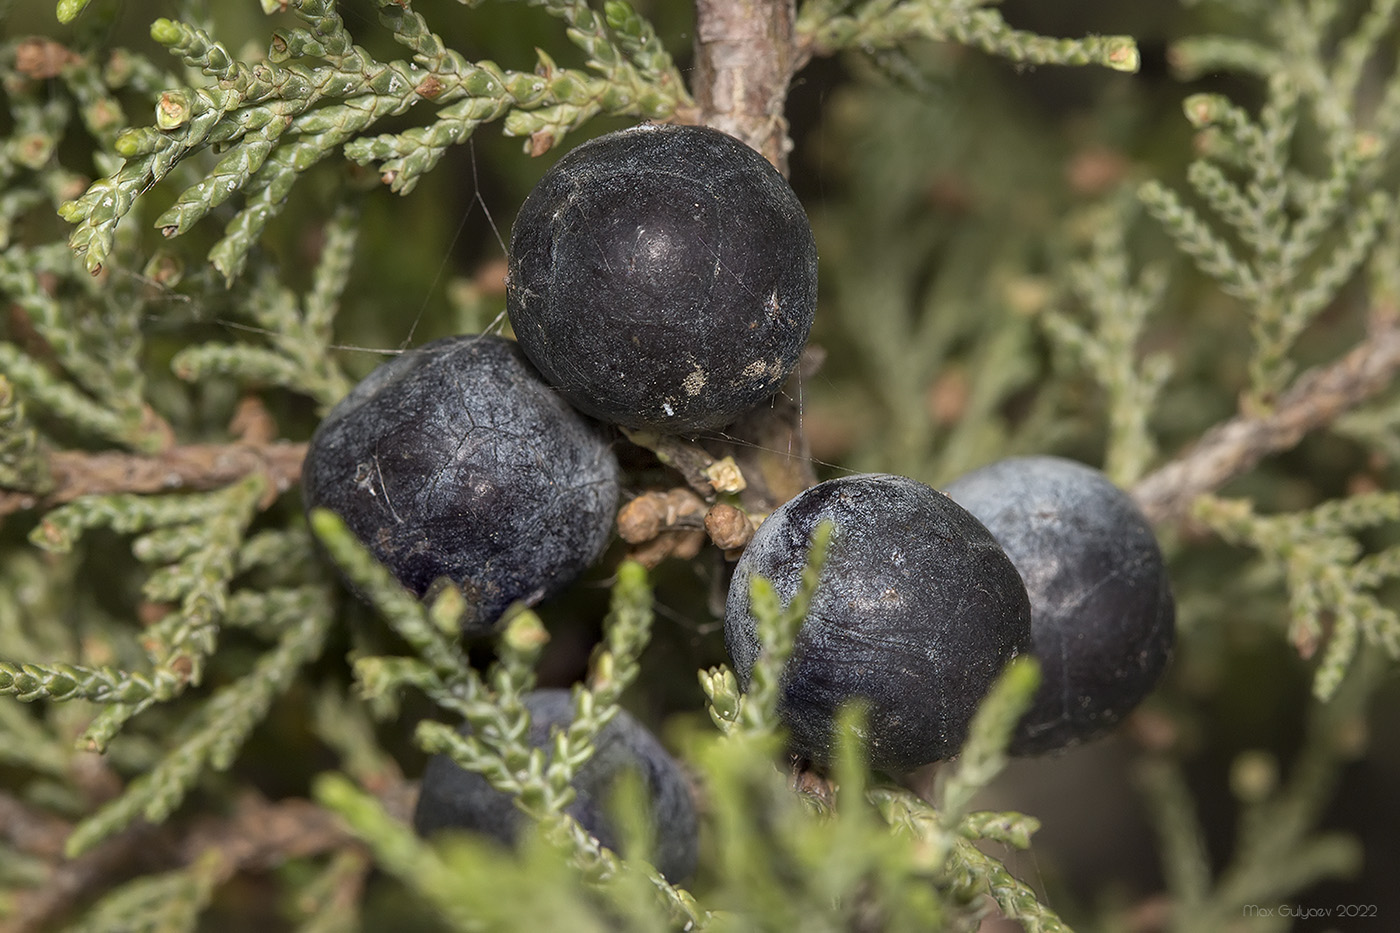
916,612
454,798
456,460
1102,614
663,277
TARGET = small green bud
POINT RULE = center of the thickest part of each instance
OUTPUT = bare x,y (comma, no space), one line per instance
525,634
173,109
118,70
721,686
32,150
1253,776
128,144
165,31
68,10
277,50
1123,55
1204,109
447,610
631,574
372,677
103,115
546,67
604,671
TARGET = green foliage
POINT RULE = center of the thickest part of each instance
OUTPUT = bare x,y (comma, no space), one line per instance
22,465
1332,585
318,91
779,864
1377,427
171,901
213,737
884,23
538,891
1107,347
96,342
1279,851
300,357
929,361
1298,225
756,710
846,868
174,652
496,747
196,538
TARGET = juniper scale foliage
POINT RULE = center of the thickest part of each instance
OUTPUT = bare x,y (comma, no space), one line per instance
1036,235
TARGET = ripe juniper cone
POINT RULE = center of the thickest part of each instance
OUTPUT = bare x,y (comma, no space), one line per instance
1102,614
663,277
456,460
454,798
916,611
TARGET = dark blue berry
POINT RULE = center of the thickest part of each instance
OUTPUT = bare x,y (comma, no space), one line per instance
455,460
663,277
1102,614
916,612
454,798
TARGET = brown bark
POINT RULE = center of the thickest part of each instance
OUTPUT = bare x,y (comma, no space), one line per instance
1226,451
745,57
191,467
1233,447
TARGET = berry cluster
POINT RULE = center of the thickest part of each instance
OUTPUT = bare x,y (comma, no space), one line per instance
925,595
916,612
664,278
661,277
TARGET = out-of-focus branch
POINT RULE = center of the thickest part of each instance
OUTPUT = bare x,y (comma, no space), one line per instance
71,882
1231,448
256,836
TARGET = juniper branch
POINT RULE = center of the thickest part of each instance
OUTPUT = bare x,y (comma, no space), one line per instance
28,682
318,92
1015,898
745,57
881,25
1231,448
257,835
78,473
22,464
220,728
